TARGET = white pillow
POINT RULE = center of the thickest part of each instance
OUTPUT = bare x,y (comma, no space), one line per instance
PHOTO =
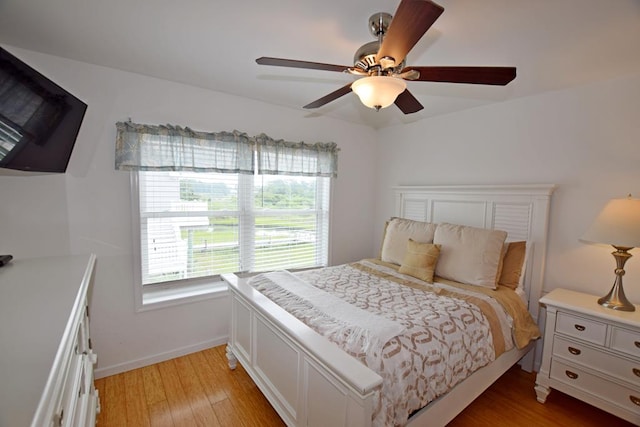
468,254
398,233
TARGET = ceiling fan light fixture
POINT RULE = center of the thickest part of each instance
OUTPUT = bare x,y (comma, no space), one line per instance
382,62
378,91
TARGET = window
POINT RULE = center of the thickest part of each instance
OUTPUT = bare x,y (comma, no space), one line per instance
197,225
208,203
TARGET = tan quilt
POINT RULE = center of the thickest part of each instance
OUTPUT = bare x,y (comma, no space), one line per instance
447,331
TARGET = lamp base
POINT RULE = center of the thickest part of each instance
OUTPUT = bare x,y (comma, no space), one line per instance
616,299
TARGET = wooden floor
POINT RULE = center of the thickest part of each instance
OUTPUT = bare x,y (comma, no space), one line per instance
200,390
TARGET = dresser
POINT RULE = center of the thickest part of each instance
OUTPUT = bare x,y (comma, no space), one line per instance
46,358
592,353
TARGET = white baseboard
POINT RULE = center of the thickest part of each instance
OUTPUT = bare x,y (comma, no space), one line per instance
156,358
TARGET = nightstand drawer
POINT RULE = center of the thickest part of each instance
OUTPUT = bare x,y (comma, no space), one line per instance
625,341
597,360
616,394
579,327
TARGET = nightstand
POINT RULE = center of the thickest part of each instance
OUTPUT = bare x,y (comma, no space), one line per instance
591,353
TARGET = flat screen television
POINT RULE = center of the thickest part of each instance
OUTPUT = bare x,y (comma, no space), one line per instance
39,120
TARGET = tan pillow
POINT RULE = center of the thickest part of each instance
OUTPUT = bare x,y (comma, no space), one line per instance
420,260
398,232
513,264
469,254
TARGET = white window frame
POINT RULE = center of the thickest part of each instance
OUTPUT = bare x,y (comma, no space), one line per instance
189,290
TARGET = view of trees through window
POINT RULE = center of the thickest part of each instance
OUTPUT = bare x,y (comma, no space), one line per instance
275,193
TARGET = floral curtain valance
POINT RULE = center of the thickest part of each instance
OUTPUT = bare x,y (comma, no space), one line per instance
172,148
150,147
278,157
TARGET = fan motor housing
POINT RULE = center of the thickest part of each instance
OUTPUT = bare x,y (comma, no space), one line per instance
365,56
365,59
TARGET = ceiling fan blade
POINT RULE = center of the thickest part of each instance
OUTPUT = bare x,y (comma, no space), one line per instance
408,103
292,63
412,19
499,76
330,97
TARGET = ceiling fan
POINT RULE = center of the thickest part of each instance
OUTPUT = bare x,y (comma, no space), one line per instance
381,63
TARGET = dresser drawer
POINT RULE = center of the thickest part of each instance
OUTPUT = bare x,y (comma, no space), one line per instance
71,390
579,327
625,341
597,360
613,393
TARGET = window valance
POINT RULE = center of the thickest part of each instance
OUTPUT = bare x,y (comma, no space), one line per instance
173,148
278,157
165,147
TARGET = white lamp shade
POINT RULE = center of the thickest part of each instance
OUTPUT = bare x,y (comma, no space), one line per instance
618,224
378,91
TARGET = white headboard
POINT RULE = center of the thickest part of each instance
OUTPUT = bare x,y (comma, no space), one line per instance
520,210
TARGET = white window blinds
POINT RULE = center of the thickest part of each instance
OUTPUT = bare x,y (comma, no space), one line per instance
189,225
196,225
291,221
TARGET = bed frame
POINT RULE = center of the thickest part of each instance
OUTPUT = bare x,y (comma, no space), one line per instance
311,382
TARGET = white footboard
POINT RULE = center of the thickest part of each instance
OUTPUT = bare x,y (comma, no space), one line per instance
307,379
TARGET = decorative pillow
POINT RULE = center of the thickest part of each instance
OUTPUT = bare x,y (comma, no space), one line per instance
420,260
513,264
469,254
398,232
384,236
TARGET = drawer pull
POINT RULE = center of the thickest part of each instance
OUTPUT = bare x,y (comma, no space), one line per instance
637,343
582,328
635,400
573,376
576,351
57,418
636,372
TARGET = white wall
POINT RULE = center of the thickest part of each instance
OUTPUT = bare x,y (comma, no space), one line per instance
585,139
88,209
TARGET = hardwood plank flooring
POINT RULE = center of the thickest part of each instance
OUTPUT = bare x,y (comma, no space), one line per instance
137,409
200,390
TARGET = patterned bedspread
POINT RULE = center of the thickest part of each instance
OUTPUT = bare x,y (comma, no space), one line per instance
446,332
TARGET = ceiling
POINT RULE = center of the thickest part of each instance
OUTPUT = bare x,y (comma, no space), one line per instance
554,44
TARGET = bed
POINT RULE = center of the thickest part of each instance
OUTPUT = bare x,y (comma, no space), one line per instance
311,381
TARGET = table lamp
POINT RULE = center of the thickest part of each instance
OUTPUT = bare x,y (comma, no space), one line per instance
618,224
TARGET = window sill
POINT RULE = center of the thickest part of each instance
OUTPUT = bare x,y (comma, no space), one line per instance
160,297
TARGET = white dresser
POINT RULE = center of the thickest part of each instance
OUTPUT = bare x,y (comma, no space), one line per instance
46,360
592,353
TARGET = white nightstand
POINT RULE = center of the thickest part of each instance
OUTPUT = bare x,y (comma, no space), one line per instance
592,353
